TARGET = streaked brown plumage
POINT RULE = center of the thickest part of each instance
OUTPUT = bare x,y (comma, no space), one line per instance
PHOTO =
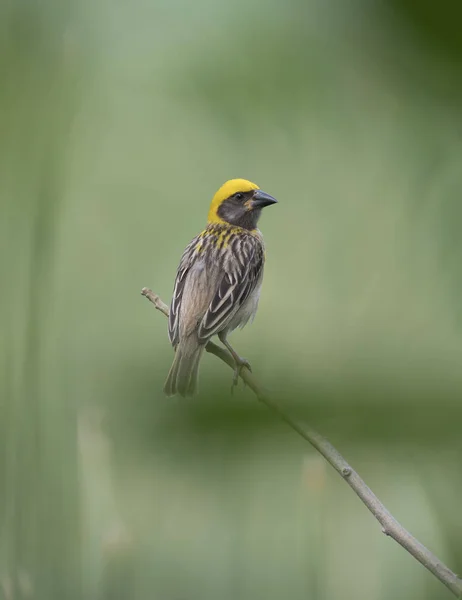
218,281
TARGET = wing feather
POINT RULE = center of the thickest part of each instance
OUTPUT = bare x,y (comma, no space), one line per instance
240,278
240,266
186,262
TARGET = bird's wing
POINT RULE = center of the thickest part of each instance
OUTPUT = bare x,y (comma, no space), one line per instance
187,262
242,270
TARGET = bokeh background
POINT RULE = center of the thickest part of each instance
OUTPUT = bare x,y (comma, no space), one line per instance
118,121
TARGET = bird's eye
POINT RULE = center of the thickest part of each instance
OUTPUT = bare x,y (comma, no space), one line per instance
239,196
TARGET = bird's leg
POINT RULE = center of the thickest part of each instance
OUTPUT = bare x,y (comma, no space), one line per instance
240,362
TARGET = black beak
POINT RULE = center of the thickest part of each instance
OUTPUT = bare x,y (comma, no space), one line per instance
261,199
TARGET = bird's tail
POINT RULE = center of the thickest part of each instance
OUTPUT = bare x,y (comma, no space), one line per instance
182,377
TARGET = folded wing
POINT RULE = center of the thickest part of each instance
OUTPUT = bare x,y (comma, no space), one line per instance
242,268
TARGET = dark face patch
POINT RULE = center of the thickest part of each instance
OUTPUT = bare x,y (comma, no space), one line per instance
237,210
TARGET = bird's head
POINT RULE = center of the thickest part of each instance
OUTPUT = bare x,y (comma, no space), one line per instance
239,202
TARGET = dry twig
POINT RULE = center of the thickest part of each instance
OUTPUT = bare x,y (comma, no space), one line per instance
390,526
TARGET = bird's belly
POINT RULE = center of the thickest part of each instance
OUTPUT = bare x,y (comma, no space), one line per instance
247,311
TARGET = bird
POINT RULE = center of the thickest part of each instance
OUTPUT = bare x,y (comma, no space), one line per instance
218,282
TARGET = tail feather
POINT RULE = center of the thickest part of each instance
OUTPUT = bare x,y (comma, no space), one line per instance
183,375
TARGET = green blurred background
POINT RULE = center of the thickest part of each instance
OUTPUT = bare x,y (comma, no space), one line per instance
118,122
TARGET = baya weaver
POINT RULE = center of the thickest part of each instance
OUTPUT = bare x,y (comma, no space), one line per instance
218,282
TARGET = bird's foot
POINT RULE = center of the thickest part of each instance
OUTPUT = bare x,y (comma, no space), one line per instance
240,364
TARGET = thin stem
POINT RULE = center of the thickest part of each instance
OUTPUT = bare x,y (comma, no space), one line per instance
390,526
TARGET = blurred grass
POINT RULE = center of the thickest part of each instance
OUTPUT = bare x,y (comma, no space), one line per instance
117,124
39,448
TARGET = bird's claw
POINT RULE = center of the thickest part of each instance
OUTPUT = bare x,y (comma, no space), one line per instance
240,364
